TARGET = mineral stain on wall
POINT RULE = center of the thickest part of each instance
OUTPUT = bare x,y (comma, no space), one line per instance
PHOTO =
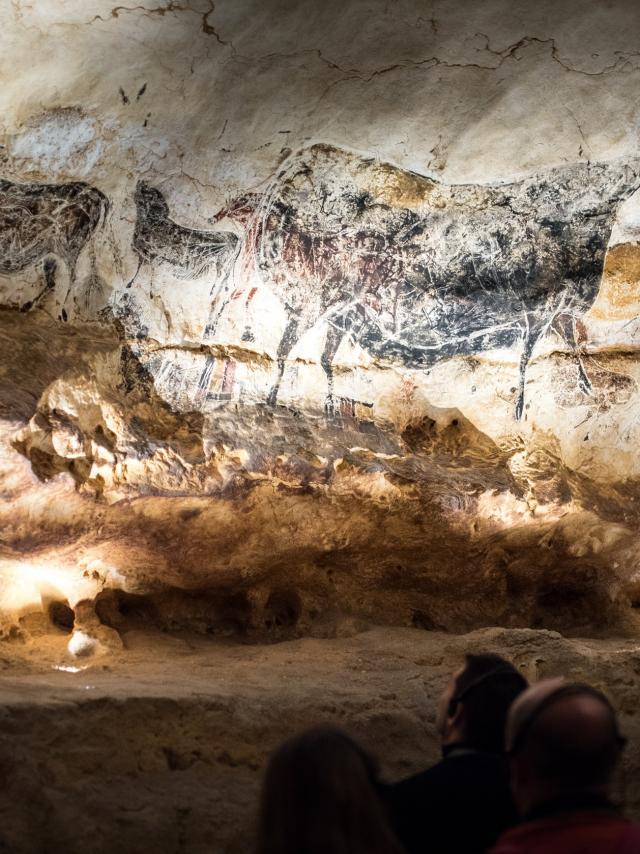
619,296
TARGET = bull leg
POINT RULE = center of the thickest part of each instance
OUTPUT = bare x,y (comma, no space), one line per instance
135,275
248,335
530,338
214,319
72,261
49,270
212,323
286,345
331,344
572,331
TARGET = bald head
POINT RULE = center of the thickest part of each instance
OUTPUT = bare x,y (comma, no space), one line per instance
563,738
525,709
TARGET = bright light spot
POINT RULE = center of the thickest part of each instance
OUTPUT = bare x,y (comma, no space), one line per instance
33,584
82,644
18,588
68,668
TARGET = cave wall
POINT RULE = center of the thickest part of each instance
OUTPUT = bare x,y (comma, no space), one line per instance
320,311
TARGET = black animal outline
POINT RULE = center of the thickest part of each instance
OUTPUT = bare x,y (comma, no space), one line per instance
190,253
549,264
46,223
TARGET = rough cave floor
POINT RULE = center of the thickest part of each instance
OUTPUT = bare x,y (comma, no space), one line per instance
159,747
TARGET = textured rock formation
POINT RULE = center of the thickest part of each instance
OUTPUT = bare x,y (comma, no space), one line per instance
313,316
319,312
163,749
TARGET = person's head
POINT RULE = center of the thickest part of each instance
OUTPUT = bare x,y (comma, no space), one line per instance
320,795
562,739
474,706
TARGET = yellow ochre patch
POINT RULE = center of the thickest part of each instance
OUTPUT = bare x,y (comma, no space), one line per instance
619,295
398,188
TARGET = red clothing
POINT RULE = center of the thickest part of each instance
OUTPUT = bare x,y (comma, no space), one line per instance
572,833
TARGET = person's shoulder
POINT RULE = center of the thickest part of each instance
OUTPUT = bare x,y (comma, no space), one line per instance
505,846
419,781
551,834
516,839
482,775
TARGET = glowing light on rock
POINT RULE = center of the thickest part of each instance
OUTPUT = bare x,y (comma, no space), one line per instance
28,585
82,645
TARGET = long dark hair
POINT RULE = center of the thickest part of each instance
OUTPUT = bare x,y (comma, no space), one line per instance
319,796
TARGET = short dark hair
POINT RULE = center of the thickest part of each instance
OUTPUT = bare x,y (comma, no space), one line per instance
487,687
572,759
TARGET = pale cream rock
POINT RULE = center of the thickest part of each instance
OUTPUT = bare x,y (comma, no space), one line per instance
111,451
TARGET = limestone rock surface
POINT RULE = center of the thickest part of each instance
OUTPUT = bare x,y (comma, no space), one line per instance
313,310
162,747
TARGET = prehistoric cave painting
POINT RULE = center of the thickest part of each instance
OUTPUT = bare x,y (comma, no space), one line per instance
242,211
611,387
416,271
247,333
41,224
356,413
190,253
217,380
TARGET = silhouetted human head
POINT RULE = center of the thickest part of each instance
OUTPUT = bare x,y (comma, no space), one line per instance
319,795
562,739
474,706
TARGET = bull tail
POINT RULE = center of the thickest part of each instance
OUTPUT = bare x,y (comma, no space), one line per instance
532,332
105,209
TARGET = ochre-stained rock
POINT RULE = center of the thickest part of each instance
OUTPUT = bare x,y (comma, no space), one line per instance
311,352
319,324
619,295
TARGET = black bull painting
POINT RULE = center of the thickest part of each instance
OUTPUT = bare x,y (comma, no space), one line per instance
411,269
416,271
45,223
